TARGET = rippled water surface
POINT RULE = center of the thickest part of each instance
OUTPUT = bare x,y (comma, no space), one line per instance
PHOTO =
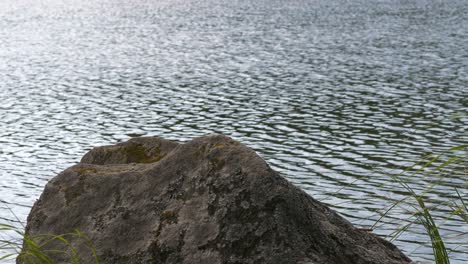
336,95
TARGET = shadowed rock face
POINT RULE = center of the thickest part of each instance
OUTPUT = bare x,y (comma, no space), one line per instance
209,200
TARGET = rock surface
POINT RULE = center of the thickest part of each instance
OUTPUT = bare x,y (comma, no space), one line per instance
210,200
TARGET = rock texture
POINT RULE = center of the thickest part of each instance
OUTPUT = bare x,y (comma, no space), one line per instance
210,200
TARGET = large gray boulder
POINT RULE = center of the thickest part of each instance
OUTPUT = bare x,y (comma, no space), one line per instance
210,200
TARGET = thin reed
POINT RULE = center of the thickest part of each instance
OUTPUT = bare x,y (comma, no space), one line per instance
29,250
437,168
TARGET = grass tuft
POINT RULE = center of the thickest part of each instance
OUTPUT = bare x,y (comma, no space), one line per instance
28,251
437,168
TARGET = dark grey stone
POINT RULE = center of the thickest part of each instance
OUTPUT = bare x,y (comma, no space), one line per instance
209,200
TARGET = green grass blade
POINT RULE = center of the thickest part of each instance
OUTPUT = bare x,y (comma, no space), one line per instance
6,256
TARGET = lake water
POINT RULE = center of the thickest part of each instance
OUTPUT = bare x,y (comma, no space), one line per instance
336,95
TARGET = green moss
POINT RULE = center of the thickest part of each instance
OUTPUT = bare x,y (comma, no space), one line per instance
205,149
200,152
219,145
137,153
169,217
82,170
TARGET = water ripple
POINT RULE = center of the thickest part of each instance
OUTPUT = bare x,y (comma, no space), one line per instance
336,95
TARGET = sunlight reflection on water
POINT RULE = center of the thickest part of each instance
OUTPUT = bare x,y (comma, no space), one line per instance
330,93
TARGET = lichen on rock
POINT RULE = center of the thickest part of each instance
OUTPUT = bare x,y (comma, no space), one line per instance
136,150
209,200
